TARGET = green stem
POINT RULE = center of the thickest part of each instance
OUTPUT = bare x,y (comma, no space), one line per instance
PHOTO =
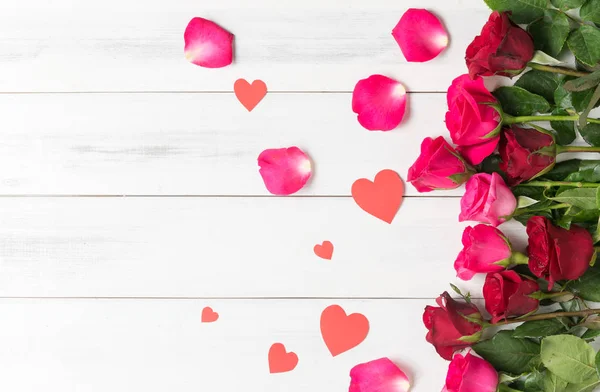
548,184
508,119
558,70
561,149
547,316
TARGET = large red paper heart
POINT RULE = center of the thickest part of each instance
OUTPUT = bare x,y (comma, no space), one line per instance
249,94
209,316
325,250
341,332
280,361
382,197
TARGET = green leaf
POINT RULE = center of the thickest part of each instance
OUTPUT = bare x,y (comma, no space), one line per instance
567,4
586,171
585,44
563,169
564,131
569,357
587,386
523,11
584,198
550,32
588,286
590,11
540,83
591,134
539,329
584,82
519,102
534,382
583,117
508,354
552,383
591,334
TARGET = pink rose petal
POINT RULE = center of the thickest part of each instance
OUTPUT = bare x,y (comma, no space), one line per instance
421,35
207,44
284,170
380,375
380,103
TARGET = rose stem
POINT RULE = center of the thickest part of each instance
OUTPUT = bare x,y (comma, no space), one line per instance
508,119
561,149
547,184
547,316
558,70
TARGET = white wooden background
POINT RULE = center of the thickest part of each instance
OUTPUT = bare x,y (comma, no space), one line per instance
130,196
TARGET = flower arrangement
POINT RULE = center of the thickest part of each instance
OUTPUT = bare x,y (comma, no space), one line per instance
508,153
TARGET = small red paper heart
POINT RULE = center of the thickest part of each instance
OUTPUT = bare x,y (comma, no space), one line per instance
209,316
250,94
341,332
325,250
381,198
280,361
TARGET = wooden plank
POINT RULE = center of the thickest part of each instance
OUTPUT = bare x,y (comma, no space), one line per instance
227,247
309,45
161,345
196,144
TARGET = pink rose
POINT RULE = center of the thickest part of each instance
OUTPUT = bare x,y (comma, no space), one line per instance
485,250
473,118
470,374
438,167
487,200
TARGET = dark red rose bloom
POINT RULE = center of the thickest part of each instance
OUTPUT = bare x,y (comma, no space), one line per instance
503,48
447,325
556,253
526,153
506,295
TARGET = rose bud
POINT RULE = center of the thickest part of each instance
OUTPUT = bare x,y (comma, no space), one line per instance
487,200
556,253
470,374
503,48
474,118
506,295
485,249
526,154
438,167
449,329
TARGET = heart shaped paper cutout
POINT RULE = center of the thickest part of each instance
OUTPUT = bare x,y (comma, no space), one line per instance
341,332
209,316
249,94
381,198
324,250
280,361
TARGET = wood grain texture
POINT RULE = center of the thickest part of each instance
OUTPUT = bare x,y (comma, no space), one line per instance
308,45
158,345
227,247
196,144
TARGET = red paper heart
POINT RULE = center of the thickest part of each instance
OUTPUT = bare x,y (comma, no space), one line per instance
382,197
250,94
341,332
280,361
209,316
325,250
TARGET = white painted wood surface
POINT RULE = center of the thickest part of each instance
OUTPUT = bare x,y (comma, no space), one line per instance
97,101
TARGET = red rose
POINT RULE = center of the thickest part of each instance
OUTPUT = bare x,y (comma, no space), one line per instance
526,154
449,330
556,253
503,48
473,118
507,295
438,167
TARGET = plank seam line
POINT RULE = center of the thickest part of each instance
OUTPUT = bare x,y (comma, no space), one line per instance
51,196
191,92
233,298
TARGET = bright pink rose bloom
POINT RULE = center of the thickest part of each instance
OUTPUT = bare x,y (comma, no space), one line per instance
473,118
380,375
470,374
485,249
438,167
487,200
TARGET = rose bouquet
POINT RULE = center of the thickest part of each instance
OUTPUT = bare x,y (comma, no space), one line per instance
509,151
